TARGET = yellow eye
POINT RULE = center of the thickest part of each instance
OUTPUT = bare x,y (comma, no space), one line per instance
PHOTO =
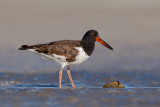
92,33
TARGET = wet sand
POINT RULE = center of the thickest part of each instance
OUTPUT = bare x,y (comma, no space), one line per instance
40,89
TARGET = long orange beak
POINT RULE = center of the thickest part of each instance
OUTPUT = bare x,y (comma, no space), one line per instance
103,43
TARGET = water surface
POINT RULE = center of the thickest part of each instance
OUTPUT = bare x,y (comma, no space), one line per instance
41,89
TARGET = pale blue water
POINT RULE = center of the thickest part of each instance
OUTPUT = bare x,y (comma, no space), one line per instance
41,89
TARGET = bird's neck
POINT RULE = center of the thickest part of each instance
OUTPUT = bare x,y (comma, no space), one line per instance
88,47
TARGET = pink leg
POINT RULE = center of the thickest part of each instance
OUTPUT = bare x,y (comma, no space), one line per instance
70,77
60,77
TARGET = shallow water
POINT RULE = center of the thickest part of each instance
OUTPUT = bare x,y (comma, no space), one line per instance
41,89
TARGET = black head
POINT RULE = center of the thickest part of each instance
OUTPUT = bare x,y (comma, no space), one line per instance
90,36
89,39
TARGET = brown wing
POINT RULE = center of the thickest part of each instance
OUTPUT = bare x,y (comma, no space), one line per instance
65,48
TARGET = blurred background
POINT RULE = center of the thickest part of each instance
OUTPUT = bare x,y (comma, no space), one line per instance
131,27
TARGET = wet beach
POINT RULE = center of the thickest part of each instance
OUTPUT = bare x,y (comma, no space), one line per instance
41,89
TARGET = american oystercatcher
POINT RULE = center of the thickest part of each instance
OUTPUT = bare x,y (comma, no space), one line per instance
68,52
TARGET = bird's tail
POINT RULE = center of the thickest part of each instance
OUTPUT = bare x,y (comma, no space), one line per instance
24,47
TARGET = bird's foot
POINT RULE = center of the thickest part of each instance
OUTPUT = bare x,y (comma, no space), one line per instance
73,87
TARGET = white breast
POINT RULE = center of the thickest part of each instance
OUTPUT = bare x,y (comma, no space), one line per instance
82,56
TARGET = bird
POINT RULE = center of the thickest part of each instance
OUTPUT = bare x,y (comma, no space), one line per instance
68,52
